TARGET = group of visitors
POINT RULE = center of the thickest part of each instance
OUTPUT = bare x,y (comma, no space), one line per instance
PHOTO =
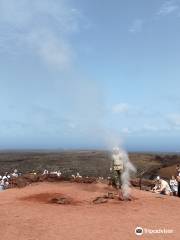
57,173
5,179
171,187
168,188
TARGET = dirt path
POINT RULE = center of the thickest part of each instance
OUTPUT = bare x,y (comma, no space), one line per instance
26,214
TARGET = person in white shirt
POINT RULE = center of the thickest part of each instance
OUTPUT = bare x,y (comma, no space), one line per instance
46,172
4,177
15,173
1,184
157,184
78,175
162,187
174,185
58,173
5,183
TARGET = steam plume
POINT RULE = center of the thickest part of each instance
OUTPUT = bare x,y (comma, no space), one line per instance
129,168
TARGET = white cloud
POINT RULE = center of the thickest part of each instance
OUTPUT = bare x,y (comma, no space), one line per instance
72,125
126,130
167,8
174,119
150,127
136,26
121,108
43,26
54,51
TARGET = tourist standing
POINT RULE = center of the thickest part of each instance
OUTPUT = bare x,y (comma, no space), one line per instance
178,179
174,185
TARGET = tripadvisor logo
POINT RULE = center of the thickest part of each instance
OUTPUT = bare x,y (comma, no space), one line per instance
139,231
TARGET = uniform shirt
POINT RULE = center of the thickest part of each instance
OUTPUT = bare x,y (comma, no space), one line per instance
117,161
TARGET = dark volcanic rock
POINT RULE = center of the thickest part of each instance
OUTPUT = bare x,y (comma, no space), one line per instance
60,200
100,200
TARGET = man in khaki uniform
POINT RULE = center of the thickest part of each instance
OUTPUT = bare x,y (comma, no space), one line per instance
117,167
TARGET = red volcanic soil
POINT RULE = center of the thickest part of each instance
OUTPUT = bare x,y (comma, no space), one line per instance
29,214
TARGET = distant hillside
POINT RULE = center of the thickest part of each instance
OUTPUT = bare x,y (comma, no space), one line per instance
88,163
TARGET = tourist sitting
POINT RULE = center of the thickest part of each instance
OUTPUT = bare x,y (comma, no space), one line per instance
161,186
5,183
157,184
78,175
46,172
58,173
15,173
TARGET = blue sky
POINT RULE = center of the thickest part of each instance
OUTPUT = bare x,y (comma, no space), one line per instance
90,74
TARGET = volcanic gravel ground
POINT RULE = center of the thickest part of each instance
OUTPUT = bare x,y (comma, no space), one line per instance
29,214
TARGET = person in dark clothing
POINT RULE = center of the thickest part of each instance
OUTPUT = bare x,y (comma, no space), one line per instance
177,169
178,179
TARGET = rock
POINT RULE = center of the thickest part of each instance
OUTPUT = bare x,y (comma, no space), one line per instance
19,182
100,200
60,200
110,195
